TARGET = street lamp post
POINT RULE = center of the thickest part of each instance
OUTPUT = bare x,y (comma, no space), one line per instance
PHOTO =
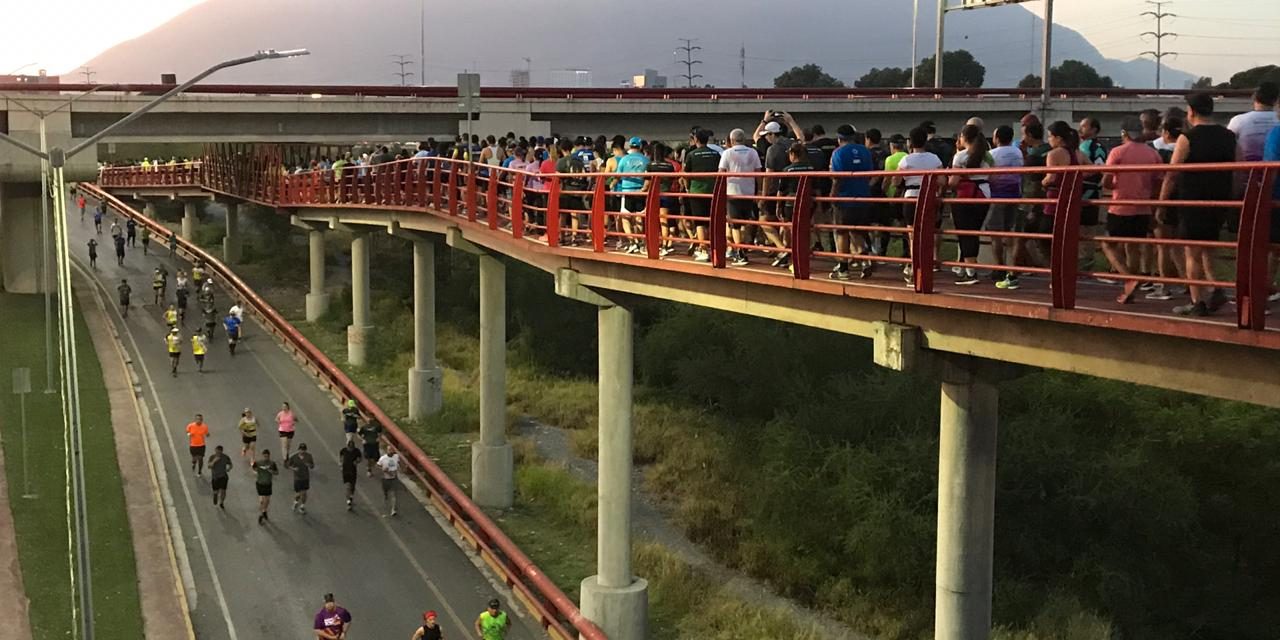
57,158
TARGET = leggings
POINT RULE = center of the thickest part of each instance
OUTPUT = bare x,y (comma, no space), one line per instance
969,217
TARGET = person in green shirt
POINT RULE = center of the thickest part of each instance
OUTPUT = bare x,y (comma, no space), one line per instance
700,159
146,239
493,623
266,469
898,147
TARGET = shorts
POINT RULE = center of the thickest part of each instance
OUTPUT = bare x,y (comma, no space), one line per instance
348,428
1089,216
699,208
1128,226
855,214
288,435
219,484
199,357
264,489
349,477
248,439
301,485
371,451
175,355
1199,223
1002,217
196,451
670,203
388,485
742,210
632,204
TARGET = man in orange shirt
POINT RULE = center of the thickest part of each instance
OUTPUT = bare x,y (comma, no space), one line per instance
197,432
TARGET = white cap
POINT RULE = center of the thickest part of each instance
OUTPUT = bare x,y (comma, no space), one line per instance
771,127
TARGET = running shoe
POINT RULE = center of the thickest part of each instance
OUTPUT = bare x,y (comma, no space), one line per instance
967,279
1159,292
740,260
1147,286
702,256
1195,309
1275,297
1010,283
867,268
839,273
1217,299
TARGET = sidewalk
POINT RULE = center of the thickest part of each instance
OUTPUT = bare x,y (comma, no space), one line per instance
13,607
164,600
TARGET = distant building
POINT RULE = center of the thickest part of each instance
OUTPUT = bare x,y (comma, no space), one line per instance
649,80
571,78
520,78
42,77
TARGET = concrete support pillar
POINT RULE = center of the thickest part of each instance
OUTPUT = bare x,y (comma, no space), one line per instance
358,331
491,458
966,502
615,599
317,299
20,241
149,209
189,220
231,243
426,390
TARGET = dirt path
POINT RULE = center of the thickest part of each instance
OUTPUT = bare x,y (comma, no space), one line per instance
13,606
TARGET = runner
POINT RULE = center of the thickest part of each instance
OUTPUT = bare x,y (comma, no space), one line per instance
332,622
390,465
370,434
232,325
429,629
265,468
349,460
493,623
97,219
115,228
171,317
238,311
197,432
119,241
131,232
159,282
173,243
350,420
93,254
199,344
180,290
210,320
248,426
174,342
146,240
284,426
125,290
197,276
301,463
80,203
219,471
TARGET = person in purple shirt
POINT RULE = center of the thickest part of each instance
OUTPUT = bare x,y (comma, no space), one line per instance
332,621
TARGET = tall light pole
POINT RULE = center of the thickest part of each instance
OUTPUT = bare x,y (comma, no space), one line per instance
937,52
422,41
70,380
915,32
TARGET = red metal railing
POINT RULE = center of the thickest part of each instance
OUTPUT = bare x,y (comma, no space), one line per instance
555,612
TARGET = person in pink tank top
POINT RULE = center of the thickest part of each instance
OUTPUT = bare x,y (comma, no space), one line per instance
284,425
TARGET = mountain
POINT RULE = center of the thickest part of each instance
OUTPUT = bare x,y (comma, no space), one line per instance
354,42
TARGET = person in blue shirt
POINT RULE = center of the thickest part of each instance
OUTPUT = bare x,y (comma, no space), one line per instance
1271,153
232,325
635,161
851,156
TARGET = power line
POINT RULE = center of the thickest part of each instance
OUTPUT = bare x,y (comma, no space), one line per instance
688,62
401,60
88,74
1159,34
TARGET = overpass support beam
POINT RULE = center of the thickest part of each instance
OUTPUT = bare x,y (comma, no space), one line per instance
426,390
358,332
492,462
149,209
966,499
20,240
231,242
189,220
317,298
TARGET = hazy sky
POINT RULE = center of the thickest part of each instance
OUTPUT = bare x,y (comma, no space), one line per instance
1216,37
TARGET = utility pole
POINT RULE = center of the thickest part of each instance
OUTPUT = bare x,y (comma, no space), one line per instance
1159,34
688,62
422,40
915,30
742,64
88,74
401,59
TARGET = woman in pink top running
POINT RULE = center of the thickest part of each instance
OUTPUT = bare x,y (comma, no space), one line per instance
284,424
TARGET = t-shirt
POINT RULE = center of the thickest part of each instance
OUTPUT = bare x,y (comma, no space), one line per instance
285,421
131,227
1096,154
350,417
248,426
491,626
1032,183
124,291
572,164
852,157
891,164
740,159
702,160
301,463
825,146
197,432
1271,153
1133,185
633,162
219,465
663,167
789,186
119,244
265,471
1251,131
959,162
332,621
775,159
390,465
370,432
917,161
1006,185
350,457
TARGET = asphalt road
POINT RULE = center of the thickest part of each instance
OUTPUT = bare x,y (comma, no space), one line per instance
256,582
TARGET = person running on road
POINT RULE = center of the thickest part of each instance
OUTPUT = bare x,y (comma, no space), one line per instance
199,345
332,622
210,320
131,232
171,317
301,463
390,465
124,290
146,240
159,282
173,243
492,624
349,461
93,254
180,295
248,426
238,311
350,420
197,433
232,326
370,434
429,630
119,240
285,422
115,228
174,342
219,471
80,203
197,276
97,220
265,468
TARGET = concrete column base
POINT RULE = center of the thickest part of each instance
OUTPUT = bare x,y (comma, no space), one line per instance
317,306
492,467
357,352
621,612
426,392
149,210
232,249
189,224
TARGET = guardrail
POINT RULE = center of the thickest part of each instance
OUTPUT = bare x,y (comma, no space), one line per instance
555,612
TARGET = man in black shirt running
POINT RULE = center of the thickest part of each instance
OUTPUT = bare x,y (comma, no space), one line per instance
349,458
219,466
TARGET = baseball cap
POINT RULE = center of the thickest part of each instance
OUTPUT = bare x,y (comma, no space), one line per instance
493,604
846,131
1132,126
635,143
328,597
351,404
772,127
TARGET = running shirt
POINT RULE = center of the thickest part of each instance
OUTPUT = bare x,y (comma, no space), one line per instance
171,316
789,186
430,633
633,162
93,248
196,433
332,621
285,421
740,159
157,280
349,457
265,471
390,465
232,325
701,160
917,161
959,162
219,465
1033,183
174,343
493,627
852,158
248,426
350,418
665,166
1006,185
370,433
301,463
124,290
891,164
1271,153
199,344
131,227
1251,131
119,244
